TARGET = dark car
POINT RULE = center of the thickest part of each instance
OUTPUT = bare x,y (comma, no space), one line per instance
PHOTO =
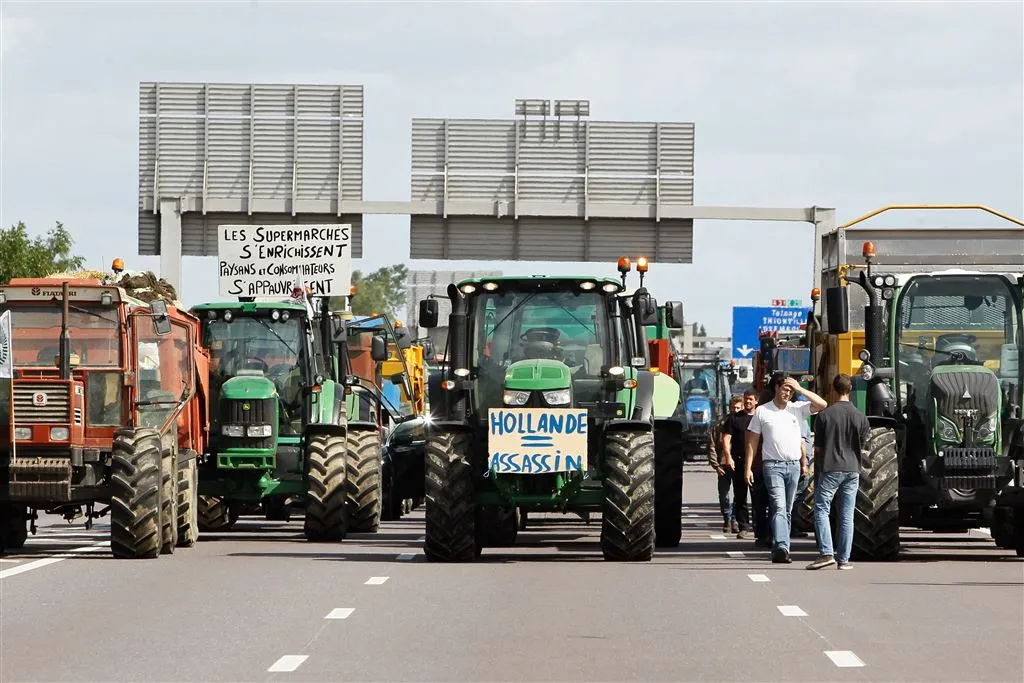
402,460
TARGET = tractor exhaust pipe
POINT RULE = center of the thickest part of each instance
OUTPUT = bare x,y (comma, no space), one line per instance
64,352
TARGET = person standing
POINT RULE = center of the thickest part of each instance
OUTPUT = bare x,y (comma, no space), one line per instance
725,477
733,436
841,432
777,425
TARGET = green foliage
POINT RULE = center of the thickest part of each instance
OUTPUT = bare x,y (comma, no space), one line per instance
23,256
382,291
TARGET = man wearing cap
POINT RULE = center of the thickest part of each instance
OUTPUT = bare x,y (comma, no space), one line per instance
778,426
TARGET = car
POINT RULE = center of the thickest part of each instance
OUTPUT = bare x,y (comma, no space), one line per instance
402,467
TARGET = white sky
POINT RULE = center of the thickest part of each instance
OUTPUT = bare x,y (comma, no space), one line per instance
851,106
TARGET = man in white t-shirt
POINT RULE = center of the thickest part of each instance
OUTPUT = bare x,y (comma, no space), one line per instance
779,426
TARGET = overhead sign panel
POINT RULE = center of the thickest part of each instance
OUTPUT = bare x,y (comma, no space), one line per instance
749,321
422,283
551,189
268,260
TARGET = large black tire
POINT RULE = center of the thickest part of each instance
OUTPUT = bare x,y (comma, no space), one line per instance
168,501
804,518
13,526
136,481
627,524
1002,527
363,490
1018,531
326,512
668,486
391,506
496,526
188,513
876,528
215,513
450,518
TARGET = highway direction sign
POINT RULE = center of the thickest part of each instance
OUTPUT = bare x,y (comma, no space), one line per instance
747,321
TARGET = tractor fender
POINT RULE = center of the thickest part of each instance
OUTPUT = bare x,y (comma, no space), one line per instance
643,406
362,425
672,424
630,425
876,421
326,429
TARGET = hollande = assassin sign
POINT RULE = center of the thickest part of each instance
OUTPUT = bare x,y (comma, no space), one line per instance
265,260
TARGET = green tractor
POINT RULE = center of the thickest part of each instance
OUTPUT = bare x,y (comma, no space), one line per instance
548,403
279,429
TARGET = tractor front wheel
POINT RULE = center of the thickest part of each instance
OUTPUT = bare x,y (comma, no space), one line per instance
876,528
363,481
168,501
215,513
188,514
627,526
326,512
136,481
450,517
13,526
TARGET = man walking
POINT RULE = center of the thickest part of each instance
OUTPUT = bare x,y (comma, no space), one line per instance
733,436
777,424
840,434
725,476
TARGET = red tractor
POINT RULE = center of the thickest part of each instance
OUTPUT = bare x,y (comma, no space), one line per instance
103,399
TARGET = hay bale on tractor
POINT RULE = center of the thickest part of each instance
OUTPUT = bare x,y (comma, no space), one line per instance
143,285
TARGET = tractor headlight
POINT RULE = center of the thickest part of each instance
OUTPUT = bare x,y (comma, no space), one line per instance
234,431
558,397
867,371
22,433
947,430
259,430
59,434
609,287
516,398
987,429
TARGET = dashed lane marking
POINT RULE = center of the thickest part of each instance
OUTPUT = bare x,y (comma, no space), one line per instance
718,537
53,559
340,613
375,580
792,611
3,559
692,515
407,556
287,663
844,658
735,553
759,578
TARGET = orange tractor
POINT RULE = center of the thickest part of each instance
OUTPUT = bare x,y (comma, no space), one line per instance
103,399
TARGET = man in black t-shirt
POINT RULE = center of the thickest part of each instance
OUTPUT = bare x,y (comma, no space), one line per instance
734,435
840,434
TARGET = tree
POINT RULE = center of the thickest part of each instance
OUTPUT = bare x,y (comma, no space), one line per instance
382,291
23,256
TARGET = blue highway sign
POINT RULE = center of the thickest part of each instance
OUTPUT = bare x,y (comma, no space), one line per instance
748,320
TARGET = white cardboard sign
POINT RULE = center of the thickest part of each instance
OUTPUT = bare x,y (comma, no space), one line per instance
537,440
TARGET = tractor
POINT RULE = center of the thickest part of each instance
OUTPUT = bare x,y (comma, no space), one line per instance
107,404
943,376
705,390
281,429
549,404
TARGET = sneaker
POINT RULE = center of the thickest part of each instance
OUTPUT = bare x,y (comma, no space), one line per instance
725,528
822,561
844,565
735,527
781,556
742,535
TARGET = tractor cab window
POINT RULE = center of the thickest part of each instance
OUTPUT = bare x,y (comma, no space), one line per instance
95,336
164,373
700,381
568,327
262,347
955,320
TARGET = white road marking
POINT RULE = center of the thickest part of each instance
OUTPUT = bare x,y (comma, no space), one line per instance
792,611
375,580
759,578
6,560
407,556
983,531
46,561
692,515
735,553
287,663
340,613
718,537
844,658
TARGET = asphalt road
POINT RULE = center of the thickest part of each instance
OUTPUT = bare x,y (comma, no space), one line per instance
262,604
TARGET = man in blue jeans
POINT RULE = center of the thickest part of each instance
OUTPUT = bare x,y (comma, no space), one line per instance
778,426
840,434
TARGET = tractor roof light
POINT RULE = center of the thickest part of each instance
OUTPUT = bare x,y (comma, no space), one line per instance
624,265
890,280
275,315
586,285
211,314
284,316
467,288
868,250
490,286
641,264
118,265
106,299
228,316
610,287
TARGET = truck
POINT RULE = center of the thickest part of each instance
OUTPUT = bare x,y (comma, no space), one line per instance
107,405
548,404
939,372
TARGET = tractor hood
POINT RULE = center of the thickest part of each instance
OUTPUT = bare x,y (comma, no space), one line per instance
248,386
537,374
698,410
964,387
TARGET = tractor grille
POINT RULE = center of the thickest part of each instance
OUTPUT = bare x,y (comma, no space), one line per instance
965,390
966,461
260,411
41,403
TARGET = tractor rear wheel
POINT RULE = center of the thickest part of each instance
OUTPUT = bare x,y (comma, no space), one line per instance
326,512
168,501
363,480
188,515
668,485
627,525
450,517
136,482
1002,527
876,528
215,513
13,526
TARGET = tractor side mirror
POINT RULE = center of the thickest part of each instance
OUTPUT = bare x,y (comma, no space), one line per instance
161,320
648,311
378,349
428,313
837,310
674,315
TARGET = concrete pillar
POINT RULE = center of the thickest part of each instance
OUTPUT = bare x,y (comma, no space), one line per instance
170,242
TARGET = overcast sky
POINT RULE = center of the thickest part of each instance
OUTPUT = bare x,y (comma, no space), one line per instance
851,106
